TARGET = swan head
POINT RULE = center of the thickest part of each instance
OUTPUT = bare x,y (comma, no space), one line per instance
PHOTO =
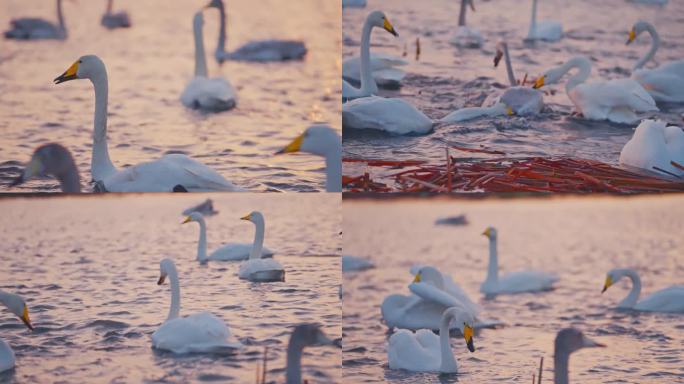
255,217
16,305
318,139
86,67
501,46
429,275
166,267
215,4
310,335
569,340
378,19
193,216
613,276
490,232
552,76
637,28
465,321
48,159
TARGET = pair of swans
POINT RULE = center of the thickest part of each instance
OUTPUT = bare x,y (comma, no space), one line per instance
257,268
655,147
670,299
466,37
665,82
545,30
617,100
17,306
226,252
173,172
513,282
31,28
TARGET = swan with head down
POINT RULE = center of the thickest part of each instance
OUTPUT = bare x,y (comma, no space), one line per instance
670,299
18,307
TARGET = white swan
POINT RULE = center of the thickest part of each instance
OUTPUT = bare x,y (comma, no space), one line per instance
304,335
368,85
260,51
391,115
209,94
466,37
30,28
614,100
52,159
514,282
17,306
431,293
323,141
383,68
655,147
201,332
226,252
355,263
256,268
567,341
664,83
170,172
670,299
113,20
423,351
543,30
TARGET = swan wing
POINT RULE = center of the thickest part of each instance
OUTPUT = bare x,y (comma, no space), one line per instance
661,84
670,299
648,147
674,139
201,332
7,358
411,312
526,281
261,270
404,351
385,114
211,94
597,100
236,251
430,293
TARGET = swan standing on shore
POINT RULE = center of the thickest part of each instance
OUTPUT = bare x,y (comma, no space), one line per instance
259,51
423,351
655,147
256,268
567,341
466,37
304,335
54,160
113,20
17,306
226,252
323,141
514,282
664,83
615,100
31,28
173,172
214,94
201,332
543,30
670,299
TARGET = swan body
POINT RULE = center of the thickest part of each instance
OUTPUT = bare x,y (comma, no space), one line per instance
354,263
304,335
466,37
198,333
469,113
543,30
7,358
670,299
172,172
210,94
383,69
113,20
256,51
666,82
385,114
514,282
17,306
423,351
368,85
256,268
323,141
52,159
354,3
654,146
29,28
615,100
567,341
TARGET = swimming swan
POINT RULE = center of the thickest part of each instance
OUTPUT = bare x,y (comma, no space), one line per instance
368,85
173,172
466,37
355,263
390,115
514,282
615,100
214,94
655,147
113,20
567,341
543,30
670,299
423,351
383,68
55,160
226,252
17,306
31,28
665,82
256,268
323,141
201,332
304,335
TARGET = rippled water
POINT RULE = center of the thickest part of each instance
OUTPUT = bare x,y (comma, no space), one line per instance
447,78
149,66
580,239
88,269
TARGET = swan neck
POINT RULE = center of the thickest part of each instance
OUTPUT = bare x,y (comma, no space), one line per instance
101,165
448,363
221,46
509,67
533,20
293,371
493,268
3,297
174,310
367,82
258,240
200,59
655,43
633,296
462,13
202,243
333,170
69,180
560,365
60,17
584,70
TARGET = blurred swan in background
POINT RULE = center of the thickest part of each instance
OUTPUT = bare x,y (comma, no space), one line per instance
304,335
17,306
210,94
466,37
355,263
665,82
113,20
260,51
173,172
201,332
567,341
655,147
256,268
206,208
353,3
670,299
31,28
543,30
54,160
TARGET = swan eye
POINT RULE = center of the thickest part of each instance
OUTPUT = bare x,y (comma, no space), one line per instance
80,61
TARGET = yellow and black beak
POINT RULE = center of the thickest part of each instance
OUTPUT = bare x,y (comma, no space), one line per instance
632,36
294,146
539,82
468,336
187,220
487,232
509,111
389,28
70,74
607,284
161,280
416,279
247,217
25,318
